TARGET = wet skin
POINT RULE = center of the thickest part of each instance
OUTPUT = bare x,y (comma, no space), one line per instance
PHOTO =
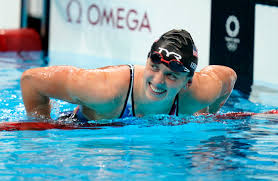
102,92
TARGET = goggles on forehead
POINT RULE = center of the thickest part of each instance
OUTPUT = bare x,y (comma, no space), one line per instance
174,64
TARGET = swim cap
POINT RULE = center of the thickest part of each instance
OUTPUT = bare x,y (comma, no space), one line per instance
177,45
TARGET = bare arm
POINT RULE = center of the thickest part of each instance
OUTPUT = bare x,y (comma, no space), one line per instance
74,85
38,84
211,88
227,78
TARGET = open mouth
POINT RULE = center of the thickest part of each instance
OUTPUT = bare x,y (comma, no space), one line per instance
157,91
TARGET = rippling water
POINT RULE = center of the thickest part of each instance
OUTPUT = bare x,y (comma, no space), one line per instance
151,148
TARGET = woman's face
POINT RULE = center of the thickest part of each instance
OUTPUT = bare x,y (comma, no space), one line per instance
160,82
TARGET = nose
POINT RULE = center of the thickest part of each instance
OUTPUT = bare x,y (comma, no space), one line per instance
158,78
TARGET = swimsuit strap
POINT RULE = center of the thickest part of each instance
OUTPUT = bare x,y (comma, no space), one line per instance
174,109
129,98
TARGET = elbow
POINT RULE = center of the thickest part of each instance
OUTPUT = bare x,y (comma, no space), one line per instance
24,77
26,80
228,76
233,75
29,76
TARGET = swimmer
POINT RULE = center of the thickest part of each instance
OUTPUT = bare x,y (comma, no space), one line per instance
167,84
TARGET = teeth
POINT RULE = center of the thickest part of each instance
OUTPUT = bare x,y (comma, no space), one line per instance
156,90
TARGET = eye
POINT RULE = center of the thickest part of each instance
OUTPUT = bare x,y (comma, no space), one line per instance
172,76
155,67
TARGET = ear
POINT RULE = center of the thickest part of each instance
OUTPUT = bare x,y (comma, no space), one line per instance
189,83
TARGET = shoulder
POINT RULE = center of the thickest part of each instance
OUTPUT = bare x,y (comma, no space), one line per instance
208,85
106,84
220,72
222,79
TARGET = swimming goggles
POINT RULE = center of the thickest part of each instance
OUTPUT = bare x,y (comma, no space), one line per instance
174,64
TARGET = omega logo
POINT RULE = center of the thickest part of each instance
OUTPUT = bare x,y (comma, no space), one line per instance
232,29
119,18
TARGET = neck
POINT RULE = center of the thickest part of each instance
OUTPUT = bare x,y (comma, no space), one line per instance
143,106
157,107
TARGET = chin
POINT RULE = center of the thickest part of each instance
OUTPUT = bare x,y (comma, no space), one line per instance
154,93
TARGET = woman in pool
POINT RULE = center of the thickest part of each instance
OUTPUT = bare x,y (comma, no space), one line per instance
165,85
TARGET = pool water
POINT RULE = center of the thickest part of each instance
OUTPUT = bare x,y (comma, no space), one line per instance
148,148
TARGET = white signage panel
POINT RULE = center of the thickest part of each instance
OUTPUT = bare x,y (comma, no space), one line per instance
122,31
266,38
10,14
